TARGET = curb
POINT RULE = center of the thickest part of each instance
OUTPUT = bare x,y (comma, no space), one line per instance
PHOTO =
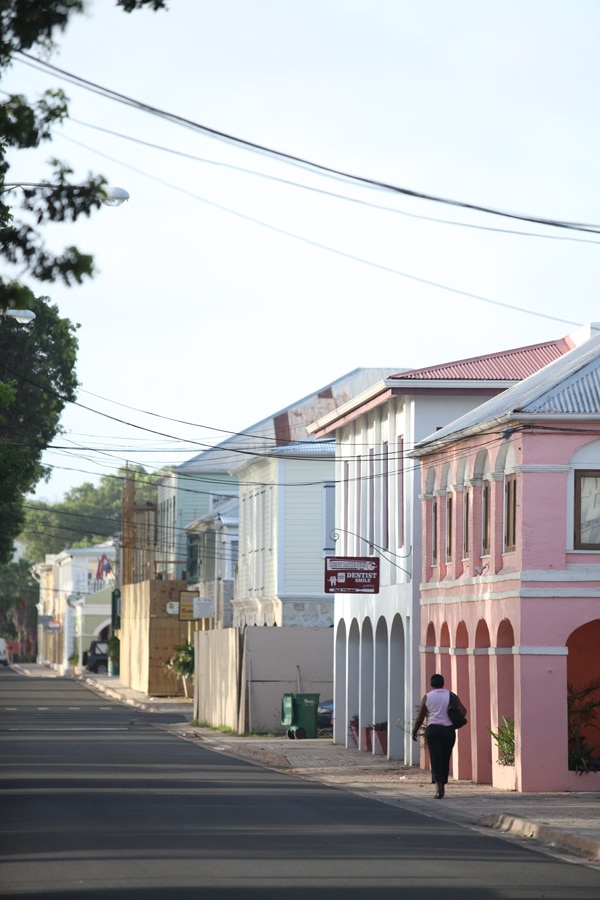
525,828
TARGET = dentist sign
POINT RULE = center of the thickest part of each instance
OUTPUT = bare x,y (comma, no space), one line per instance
351,575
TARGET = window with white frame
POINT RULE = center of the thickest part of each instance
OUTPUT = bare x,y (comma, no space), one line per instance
587,509
466,536
400,496
486,518
510,512
328,519
434,532
449,525
385,496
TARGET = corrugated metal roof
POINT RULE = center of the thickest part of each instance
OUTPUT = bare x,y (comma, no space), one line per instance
305,449
282,428
507,365
579,394
568,386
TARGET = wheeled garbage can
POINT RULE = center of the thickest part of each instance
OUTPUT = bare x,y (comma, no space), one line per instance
299,715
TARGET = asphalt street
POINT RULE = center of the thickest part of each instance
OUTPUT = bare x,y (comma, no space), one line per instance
101,800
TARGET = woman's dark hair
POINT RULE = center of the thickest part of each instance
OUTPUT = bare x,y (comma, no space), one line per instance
437,681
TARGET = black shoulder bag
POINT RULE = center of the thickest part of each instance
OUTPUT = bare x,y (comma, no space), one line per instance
454,713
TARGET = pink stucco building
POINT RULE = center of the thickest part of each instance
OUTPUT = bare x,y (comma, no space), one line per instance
510,593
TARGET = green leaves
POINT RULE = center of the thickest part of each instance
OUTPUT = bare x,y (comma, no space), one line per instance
37,372
182,661
87,515
37,364
505,739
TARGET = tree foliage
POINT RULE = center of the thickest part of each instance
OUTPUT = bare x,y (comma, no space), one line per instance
19,594
25,124
37,367
37,371
87,515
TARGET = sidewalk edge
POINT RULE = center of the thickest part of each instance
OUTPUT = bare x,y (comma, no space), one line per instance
521,827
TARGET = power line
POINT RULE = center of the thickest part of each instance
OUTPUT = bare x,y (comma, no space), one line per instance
287,181
34,62
328,248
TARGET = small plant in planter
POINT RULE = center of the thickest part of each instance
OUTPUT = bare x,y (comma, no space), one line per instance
182,664
505,739
74,660
380,732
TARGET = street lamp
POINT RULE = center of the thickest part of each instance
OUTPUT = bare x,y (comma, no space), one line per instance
22,316
110,196
114,196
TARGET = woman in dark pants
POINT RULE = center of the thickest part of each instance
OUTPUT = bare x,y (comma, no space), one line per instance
440,734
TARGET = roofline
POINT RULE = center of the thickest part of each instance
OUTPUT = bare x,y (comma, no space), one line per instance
499,354
509,418
393,387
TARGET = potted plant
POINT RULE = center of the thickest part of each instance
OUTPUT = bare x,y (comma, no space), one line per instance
114,655
505,777
505,740
381,737
74,661
182,664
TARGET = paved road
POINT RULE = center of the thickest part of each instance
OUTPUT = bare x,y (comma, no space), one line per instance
101,801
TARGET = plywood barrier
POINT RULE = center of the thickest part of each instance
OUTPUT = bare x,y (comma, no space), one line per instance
149,635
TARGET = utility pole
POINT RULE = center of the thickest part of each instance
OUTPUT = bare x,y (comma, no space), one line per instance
128,511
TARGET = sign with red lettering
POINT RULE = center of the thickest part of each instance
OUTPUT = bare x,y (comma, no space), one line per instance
351,574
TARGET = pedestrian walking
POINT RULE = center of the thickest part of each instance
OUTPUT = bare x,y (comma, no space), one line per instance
440,733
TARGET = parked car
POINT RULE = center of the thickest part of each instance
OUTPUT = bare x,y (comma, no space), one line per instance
3,652
96,658
325,714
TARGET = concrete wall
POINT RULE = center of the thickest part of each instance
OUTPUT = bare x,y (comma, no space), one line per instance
240,682
216,682
277,661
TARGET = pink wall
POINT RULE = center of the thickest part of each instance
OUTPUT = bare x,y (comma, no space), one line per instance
509,639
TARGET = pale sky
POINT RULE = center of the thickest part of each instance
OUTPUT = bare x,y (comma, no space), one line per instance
222,296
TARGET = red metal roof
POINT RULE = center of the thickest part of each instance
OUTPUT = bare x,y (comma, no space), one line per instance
508,365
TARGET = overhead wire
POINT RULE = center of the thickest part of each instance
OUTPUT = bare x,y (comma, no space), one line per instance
339,174
310,242
317,190
34,62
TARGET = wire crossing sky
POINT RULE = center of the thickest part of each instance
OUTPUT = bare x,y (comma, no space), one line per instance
234,283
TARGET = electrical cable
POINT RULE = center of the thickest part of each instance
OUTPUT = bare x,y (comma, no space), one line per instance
34,62
328,248
321,191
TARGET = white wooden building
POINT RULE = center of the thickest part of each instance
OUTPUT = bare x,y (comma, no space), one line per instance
287,513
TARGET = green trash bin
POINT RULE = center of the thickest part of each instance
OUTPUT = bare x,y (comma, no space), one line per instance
299,714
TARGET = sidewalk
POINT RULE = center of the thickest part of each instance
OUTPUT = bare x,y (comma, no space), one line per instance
567,822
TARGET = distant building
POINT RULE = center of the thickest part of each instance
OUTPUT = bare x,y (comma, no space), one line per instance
76,588
197,487
287,523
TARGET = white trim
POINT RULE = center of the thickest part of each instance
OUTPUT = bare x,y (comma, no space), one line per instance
573,572
497,651
540,467
567,593
560,593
